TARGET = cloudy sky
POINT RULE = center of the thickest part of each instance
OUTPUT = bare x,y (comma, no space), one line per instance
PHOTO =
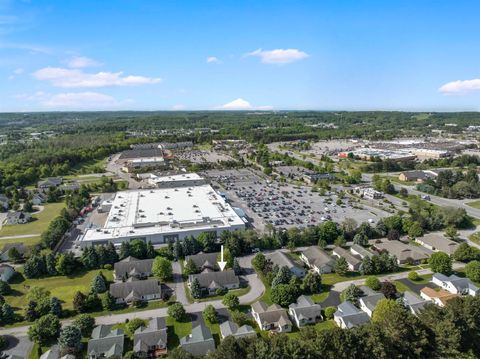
247,55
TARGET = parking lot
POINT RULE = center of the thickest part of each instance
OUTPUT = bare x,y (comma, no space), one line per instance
201,156
285,205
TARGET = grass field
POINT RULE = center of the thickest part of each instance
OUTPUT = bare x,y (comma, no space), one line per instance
36,227
177,330
474,204
215,329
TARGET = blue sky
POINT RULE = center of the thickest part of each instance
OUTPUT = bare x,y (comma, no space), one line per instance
166,55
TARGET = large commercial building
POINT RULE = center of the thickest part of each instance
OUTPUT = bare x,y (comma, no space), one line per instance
162,215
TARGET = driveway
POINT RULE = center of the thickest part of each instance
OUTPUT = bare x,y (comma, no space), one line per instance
19,346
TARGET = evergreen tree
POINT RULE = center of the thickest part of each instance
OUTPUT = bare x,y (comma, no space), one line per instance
341,266
283,277
108,301
125,250
55,307
31,313
50,263
8,315
79,302
90,258
70,339
190,267
195,289
98,284
150,250
236,267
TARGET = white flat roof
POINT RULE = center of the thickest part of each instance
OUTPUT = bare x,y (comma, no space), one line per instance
147,160
146,212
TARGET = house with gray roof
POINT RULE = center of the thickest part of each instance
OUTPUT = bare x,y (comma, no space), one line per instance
352,261
229,328
132,267
211,281
204,261
273,317
414,302
369,302
405,253
50,182
318,260
151,341
4,202
54,353
200,342
438,243
362,252
305,311
141,290
105,342
455,284
20,247
348,316
282,260
19,217
6,272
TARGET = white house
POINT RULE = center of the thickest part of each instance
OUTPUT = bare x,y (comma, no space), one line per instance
318,260
368,303
348,316
455,284
305,311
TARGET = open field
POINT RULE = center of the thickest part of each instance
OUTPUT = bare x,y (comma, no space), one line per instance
37,226
474,204
27,241
177,330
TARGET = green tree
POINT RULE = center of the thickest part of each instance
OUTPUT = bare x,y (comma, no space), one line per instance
86,323
413,276
108,301
176,311
7,313
45,329
70,339
373,283
79,302
231,301
451,233
341,266
99,284
465,253
312,283
133,325
239,317
210,314
440,263
190,267
351,294
259,262
4,288
236,267
283,276
472,270
329,312
66,263
283,294
56,307
162,269
384,307
196,289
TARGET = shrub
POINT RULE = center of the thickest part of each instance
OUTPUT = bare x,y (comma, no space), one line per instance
413,276
373,283
329,311
176,311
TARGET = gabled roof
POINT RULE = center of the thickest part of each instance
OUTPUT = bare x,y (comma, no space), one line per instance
230,328
439,243
131,266
403,251
414,301
216,279
282,260
349,257
371,301
362,251
204,260
305,308
152,335
442,295
318,257
461,284
271,314
351,315
199,334
135,289
106,341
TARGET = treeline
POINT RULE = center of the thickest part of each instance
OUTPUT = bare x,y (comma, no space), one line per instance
453,184
449,332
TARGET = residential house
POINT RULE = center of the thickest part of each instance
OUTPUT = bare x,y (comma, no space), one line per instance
282,260
4,202
229,328
70,186
132,267
204,261
211,281
50,182
415,176
414,302
440,297
272,317
362,252
369,302
133,290
105,342
405,253
438,244
6,272
352,261
317,259
18,217
200,342
348,316
455,284
305,311
151,341
20,247
38,198
54,353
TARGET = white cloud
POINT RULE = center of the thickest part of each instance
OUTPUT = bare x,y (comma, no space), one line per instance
34,49
74,78
460,87
79,100
238,104
279,56
178,107
78,62
213,60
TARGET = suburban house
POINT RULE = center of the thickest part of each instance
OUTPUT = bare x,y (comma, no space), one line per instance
415,176
50,182
440,297
368,303
70,186
228,328
105,342
455,284
318,260
282,260
204,261
352,261
132,267
405,253
20,247
54,353
200,342
6,272
414,302
151,341
4,202
18,218
141,290
272,317
305,311
348,316
38,198
438,244
211,281
358,250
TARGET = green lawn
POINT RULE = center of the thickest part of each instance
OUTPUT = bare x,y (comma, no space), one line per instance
237,292
177,330
402,288
474,204
215,329
323,325
37,226
475,237
320,297
28,241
